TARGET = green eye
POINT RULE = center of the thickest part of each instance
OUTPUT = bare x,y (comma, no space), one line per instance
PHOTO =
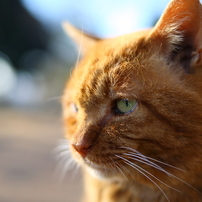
125,106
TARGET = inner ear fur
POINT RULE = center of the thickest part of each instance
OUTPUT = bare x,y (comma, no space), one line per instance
82,39
179,34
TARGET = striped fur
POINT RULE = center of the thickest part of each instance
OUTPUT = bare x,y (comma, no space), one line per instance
153,153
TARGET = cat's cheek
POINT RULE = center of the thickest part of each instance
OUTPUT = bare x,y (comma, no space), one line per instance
70,127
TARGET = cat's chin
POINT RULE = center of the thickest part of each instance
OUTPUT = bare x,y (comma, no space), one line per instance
101,172
97,173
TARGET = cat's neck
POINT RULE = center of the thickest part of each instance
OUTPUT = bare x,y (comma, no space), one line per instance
112,191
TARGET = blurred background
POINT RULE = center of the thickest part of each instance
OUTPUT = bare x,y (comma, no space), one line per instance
35,59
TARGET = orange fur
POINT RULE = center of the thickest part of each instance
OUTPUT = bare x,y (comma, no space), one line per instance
145,154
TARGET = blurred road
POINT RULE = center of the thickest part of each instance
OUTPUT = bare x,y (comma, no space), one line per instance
27,164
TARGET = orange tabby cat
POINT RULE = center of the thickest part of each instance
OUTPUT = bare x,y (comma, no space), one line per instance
133,111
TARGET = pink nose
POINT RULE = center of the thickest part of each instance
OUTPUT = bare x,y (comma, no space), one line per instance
82,149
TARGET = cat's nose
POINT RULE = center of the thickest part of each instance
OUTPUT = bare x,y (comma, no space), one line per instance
82,149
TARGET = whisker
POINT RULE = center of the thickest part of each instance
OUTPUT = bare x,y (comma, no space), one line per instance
156,178
145,161
127,171
121,172
171,175
185,183
62,155
110,165
117,166
150,173
80,47
60,166
69,165
134,166
65,161
62,144
75,169
138,153
77,59
60,150
114,168
71,76
105,169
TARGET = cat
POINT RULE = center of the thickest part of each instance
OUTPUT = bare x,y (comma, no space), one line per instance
133,110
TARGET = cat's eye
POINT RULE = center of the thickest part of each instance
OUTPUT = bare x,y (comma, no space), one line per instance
124,106
73,108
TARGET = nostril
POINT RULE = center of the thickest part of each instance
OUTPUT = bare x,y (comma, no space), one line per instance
81,149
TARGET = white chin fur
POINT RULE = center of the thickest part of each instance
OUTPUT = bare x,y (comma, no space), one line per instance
102,173
99,173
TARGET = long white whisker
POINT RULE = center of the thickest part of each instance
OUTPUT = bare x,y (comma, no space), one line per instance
62,167
59,157
171,175
114,169
62,145
138,153
149,158
76,169
69,165
80,47
65,160
156,178
77,59
127,171
147,162
117,166
63,152
134,166
165,164
60,149
185,183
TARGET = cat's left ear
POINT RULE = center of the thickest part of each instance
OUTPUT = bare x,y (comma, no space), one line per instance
83,40
179,33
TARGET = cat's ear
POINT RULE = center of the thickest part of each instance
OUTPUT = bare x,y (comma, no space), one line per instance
82,40
179,32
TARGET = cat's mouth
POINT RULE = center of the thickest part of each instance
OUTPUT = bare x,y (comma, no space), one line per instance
103,167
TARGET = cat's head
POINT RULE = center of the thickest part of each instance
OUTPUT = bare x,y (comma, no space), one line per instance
133,104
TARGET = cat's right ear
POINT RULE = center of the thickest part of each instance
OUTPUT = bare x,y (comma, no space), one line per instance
83,40
179,32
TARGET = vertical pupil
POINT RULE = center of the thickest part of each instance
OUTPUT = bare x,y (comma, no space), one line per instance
126,103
